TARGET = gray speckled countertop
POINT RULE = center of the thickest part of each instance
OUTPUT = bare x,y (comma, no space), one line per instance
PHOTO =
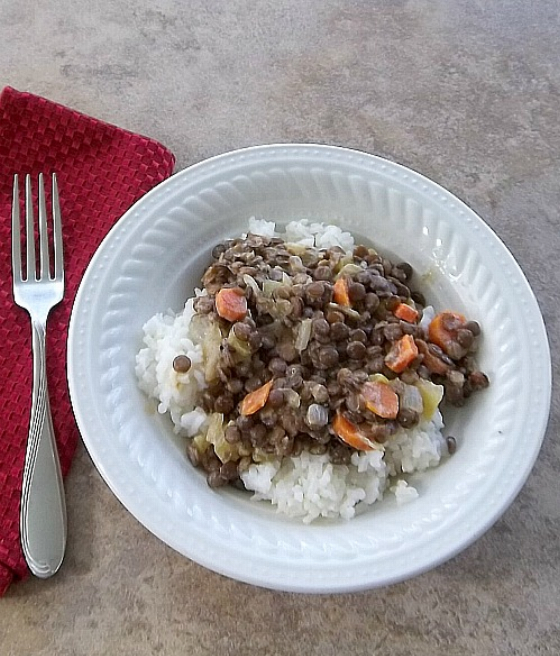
465,91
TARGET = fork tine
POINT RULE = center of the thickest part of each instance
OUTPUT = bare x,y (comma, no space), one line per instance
43,232
31,273
57,232
16,237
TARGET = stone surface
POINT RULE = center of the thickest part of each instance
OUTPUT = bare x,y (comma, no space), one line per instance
465,91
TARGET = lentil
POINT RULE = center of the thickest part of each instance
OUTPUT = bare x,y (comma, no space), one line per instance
182,364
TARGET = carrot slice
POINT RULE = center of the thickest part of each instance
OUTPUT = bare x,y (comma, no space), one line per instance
340,292
406,313
443,328
381,399
255,400
351,434
402,353
231,303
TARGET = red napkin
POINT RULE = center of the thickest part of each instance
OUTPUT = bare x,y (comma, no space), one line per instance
102,170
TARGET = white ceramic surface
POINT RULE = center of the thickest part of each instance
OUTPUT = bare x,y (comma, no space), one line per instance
151,261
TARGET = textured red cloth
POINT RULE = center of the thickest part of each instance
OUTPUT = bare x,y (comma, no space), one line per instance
102,170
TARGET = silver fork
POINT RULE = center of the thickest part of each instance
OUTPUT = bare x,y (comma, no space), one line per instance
37,290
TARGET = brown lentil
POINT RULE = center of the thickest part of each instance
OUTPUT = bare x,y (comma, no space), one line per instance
339,331
182,364
356,350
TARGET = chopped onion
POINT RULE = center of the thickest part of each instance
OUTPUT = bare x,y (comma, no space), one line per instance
286,279
211,352
239,346
349,312
428,313
216,436
270,285
431,396
251,282
349,270
296,249
296,265
303,335
280,308
411,399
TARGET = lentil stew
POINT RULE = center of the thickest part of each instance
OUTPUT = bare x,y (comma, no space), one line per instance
318,350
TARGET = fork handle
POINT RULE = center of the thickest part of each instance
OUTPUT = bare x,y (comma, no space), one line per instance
43,506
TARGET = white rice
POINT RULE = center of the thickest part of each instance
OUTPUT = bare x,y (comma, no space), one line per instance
166,335
308,486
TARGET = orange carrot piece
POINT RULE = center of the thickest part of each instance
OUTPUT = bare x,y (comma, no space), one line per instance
406,313
255,400
351,434
381,399
340,292
231,303
402,353
443,328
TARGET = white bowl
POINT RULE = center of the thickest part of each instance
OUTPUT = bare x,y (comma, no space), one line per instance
151,261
